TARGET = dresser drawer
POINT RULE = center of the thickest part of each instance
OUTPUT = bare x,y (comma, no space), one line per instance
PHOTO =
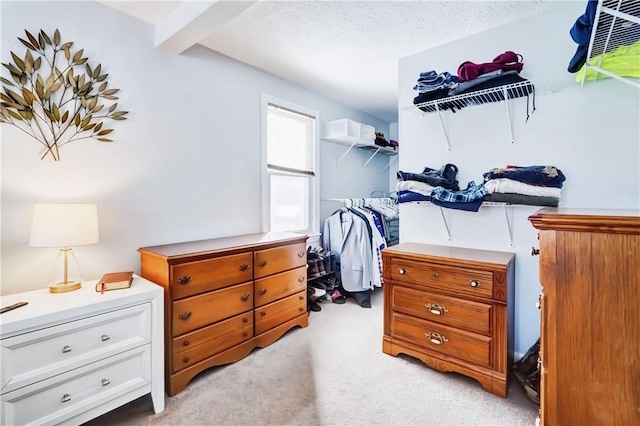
276,313
279,259
461,280
277,286
459,313
34,356
206,275
62,397
470,347
193,347
198,311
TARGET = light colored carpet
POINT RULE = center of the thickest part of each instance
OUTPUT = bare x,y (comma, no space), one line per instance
330,373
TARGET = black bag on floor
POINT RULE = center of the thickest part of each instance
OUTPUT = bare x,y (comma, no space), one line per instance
527,372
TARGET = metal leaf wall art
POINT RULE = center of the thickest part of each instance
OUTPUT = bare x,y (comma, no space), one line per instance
56,97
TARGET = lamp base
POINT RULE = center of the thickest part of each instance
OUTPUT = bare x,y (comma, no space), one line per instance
64,287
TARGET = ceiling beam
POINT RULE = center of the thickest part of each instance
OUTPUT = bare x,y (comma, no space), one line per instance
194,20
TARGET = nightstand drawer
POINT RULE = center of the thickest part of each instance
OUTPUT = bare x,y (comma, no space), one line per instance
197,311
462,280
34,356
277,286
440,338
194,347
61,397
452,311
276,313
198,277
279,259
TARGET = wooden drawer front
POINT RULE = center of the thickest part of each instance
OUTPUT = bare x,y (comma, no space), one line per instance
59,398
461,280
34,356
279,259
193,347
457,343
459,313
207,275
198,311
280,285
276,313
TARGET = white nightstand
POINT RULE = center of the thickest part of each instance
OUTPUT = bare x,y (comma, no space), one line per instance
70,357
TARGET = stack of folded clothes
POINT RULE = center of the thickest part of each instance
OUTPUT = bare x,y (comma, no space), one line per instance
468,199
529,185
419,186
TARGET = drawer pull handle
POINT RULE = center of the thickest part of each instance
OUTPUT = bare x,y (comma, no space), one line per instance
402,271
244,297
435,275
535,251
66,349
262,292
105,337
244,267
263,313
66,397
435,338
301,254
105,382
185,359
301,297
262,264
184,280
539,302
185,343
436,309
300,279
185,316
474,283
245,334
301,309
245,320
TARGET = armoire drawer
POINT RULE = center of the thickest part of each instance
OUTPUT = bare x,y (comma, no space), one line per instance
280,285
60,397
204,309
279,259
461,280
192,278
198,345
276,313
34,356
451,311
441,338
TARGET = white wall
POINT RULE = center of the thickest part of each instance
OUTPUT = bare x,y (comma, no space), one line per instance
184,166
592,134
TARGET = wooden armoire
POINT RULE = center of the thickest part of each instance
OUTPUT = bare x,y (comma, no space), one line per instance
590,324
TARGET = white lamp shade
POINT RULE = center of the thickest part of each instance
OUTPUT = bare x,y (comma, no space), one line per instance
64,225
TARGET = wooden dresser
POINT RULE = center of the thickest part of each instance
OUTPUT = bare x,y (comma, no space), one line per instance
590,325
225,297
452,308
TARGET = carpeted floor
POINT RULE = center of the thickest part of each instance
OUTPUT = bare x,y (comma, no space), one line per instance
330,373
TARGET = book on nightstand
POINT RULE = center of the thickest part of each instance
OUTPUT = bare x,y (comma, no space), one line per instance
114,281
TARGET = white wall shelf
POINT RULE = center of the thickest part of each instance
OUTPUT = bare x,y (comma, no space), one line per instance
617,23
356,135
485,96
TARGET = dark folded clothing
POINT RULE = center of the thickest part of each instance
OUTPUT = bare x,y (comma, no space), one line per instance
528,200
410,196
445,176
472,206
531,175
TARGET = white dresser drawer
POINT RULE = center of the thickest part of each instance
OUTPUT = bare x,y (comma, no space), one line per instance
62,397
34,356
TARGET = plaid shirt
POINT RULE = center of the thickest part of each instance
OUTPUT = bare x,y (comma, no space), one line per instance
472,193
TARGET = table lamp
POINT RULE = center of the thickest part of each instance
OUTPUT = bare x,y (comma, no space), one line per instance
64,226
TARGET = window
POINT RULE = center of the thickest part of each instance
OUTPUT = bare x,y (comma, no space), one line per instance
289,159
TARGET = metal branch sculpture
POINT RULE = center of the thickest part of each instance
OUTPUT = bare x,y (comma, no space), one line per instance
53,98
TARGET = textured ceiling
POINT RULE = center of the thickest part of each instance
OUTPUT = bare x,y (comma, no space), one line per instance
345,50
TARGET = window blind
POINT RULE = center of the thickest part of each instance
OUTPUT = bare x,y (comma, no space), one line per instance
290,140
